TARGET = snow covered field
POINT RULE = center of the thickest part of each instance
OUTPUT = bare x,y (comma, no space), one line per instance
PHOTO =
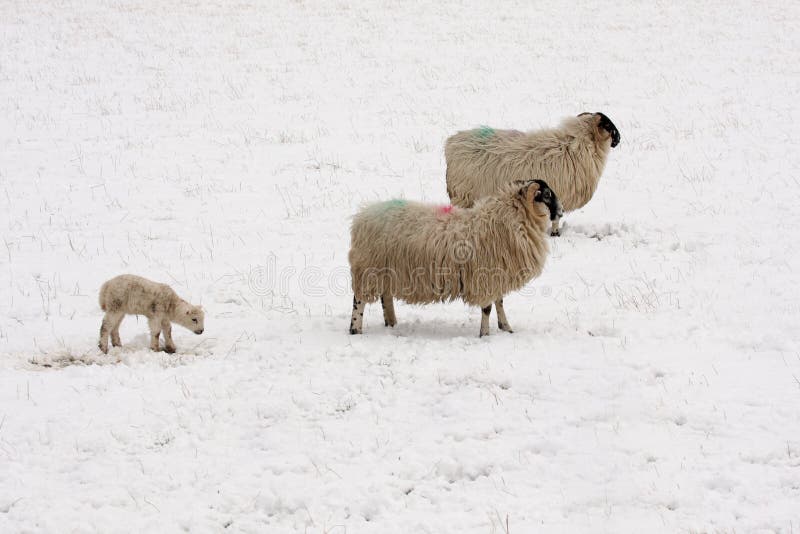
653,380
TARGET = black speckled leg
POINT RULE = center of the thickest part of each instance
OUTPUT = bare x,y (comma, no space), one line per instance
358,316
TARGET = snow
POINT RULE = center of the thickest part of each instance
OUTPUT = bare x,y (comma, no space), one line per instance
653,379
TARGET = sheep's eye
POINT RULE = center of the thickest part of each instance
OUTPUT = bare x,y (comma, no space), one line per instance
194,320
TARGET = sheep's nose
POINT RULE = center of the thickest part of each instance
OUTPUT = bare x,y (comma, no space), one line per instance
198,332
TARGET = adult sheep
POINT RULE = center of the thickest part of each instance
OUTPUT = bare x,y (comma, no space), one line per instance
572,157
422,253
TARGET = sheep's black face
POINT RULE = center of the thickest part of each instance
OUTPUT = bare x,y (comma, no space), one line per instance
547,196
606,124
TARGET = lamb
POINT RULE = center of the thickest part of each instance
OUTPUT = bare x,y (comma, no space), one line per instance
572,157
421,253
134,295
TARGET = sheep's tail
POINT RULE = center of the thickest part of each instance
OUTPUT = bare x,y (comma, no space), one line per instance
447,181
452,194
101,300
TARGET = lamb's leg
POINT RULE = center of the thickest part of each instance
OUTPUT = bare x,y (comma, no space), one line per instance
502,321
115,330
105,330
155,330
389,318
554,231
485,312
166,328
358,316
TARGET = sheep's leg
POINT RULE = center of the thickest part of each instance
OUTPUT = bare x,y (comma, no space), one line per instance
358,316
554,231
105,330
115,330
155,331
485,312
502,321
389,318
166,328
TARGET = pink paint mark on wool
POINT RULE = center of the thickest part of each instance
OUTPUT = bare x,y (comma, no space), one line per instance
445,209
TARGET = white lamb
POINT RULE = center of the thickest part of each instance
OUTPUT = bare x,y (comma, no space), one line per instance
128,294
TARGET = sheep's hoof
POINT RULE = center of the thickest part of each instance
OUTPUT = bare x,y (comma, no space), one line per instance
483,333
390,323
103,349
355,331
555,233
169,350
505,328
116,344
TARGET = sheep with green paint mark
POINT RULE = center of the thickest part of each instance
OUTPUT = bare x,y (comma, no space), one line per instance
571,158
423,253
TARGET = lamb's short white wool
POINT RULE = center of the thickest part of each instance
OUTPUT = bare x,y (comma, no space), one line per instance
422,253
128,294
571,158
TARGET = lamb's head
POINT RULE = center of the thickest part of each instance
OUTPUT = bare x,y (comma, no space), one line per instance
539,195
191,317
604,126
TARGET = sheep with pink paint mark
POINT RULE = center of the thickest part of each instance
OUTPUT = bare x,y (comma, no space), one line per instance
422,253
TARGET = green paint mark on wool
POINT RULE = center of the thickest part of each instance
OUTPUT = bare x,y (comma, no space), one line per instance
485,132
391,204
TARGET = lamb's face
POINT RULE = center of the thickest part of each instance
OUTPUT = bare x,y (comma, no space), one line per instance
193,318
604,125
